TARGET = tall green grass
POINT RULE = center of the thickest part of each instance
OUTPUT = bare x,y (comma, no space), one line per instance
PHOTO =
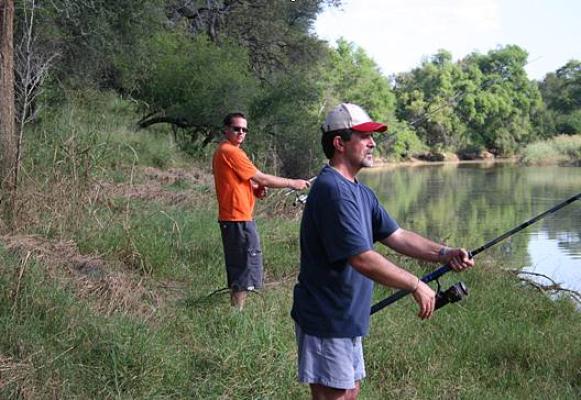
560,149
505,341
148,320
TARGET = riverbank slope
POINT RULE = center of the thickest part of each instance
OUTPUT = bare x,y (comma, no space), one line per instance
111,289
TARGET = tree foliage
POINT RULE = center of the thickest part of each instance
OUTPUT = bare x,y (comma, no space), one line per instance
484,99
275,33
189,62
285,117
427,98
352,76
191,83
561,91
90,36
505,102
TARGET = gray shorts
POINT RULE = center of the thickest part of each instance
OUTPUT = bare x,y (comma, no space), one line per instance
333,362
243,255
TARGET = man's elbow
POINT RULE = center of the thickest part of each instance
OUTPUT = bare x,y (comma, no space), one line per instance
394,238
260,179
361,261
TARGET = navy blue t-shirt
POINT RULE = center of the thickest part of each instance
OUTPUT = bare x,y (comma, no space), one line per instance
341,219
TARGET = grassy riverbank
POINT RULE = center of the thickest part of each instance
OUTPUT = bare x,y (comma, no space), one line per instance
562,149
105,292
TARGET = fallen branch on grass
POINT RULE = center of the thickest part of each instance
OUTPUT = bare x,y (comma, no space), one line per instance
551,288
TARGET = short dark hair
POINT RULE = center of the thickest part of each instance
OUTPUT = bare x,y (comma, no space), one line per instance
327,140
228,118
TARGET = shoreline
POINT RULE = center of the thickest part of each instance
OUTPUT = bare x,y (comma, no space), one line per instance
414,162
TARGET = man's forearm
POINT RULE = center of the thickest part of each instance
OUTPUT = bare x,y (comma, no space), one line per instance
272,181
414,245
379,269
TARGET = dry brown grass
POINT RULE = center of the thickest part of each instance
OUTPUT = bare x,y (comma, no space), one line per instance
59,204
153,187
107,290
17,374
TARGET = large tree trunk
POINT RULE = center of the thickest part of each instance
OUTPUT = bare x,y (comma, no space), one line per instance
7,115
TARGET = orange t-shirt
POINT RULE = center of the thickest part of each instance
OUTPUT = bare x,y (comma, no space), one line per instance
232,173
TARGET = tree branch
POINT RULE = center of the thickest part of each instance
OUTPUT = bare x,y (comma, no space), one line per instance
553,287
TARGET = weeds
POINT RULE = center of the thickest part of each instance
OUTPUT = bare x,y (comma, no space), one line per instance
105,291
558,150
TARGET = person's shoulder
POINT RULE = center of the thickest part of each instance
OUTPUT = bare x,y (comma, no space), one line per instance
330,183
220,147
325,179
369,195
228,149
225,146
366,188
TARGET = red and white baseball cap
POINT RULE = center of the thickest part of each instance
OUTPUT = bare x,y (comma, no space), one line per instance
351,116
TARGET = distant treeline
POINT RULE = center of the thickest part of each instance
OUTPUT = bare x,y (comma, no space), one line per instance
187,63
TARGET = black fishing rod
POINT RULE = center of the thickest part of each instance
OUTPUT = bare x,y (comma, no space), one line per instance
445,268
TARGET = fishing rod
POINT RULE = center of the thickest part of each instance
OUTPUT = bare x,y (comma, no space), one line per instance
446,268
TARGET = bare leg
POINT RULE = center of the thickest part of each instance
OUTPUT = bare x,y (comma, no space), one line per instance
320,392
238,298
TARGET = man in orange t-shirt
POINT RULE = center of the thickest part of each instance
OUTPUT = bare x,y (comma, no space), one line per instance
238,182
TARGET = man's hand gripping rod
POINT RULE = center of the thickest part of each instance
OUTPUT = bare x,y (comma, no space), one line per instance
445,268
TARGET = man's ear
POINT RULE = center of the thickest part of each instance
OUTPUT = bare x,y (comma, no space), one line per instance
338,143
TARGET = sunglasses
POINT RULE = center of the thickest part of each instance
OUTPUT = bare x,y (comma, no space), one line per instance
239,129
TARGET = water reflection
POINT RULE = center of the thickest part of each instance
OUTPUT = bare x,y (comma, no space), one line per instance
552,256
471,204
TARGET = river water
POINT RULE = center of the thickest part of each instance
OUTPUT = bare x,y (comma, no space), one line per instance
470,204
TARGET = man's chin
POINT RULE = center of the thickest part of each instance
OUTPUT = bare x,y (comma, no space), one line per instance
367,163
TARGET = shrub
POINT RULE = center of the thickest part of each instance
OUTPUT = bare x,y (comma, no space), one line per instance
402,144
560,149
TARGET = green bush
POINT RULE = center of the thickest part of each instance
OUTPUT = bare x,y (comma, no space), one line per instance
92,133
541,153
193,81
569,124
560,149
402,143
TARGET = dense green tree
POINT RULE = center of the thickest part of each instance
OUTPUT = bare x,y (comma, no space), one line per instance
353,76
286,116
484,100
561,91
191,83
505,101
90,36
275,33
427,98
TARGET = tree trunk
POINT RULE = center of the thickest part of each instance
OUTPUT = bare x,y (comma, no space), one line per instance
7,114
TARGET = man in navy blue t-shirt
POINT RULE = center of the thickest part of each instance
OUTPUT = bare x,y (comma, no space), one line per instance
341,222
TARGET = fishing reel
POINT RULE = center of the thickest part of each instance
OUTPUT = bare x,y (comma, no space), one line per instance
453,294
300,199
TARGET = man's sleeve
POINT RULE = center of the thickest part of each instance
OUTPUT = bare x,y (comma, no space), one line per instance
241,165
383,224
